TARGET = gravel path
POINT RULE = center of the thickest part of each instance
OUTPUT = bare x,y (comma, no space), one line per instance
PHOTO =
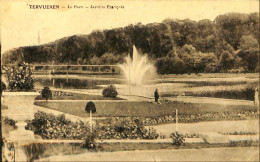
210,126
205,154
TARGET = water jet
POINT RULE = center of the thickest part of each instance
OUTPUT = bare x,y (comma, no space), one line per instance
135,68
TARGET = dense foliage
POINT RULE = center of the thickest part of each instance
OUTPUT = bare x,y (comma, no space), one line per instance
49,126
19,77
109,91
230,43
124,128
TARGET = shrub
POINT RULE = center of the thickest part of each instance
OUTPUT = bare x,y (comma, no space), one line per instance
249,93
20,77
90,106
46,93
90,141
177,139
110,91
151,134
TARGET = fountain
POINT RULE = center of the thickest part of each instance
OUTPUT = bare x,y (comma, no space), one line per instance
135,69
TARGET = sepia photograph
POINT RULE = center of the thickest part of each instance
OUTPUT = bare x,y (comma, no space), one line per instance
147,80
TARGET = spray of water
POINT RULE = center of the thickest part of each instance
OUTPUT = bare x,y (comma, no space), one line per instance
135,69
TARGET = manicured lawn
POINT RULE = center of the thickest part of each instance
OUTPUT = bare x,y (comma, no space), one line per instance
78,96
159,146
141,109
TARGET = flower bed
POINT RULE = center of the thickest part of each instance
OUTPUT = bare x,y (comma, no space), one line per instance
49,126
202,117
210,116
126,129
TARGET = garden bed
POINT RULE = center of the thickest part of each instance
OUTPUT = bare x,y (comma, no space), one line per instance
49,126
190,118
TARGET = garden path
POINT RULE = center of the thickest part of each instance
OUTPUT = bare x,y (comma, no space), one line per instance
204,154
206,127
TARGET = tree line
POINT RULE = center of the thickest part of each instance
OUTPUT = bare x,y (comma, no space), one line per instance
230,43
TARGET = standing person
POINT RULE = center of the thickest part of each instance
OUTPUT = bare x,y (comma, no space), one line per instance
156,95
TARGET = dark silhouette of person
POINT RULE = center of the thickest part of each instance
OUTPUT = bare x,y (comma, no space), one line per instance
156,95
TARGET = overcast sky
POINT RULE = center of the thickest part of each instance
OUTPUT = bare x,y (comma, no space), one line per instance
21,26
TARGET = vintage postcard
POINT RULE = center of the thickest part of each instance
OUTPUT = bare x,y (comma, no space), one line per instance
147,80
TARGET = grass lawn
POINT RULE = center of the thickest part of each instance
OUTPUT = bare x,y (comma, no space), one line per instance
141,109
158,146
79,96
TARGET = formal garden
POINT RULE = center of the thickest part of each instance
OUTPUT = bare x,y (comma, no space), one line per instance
119,123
